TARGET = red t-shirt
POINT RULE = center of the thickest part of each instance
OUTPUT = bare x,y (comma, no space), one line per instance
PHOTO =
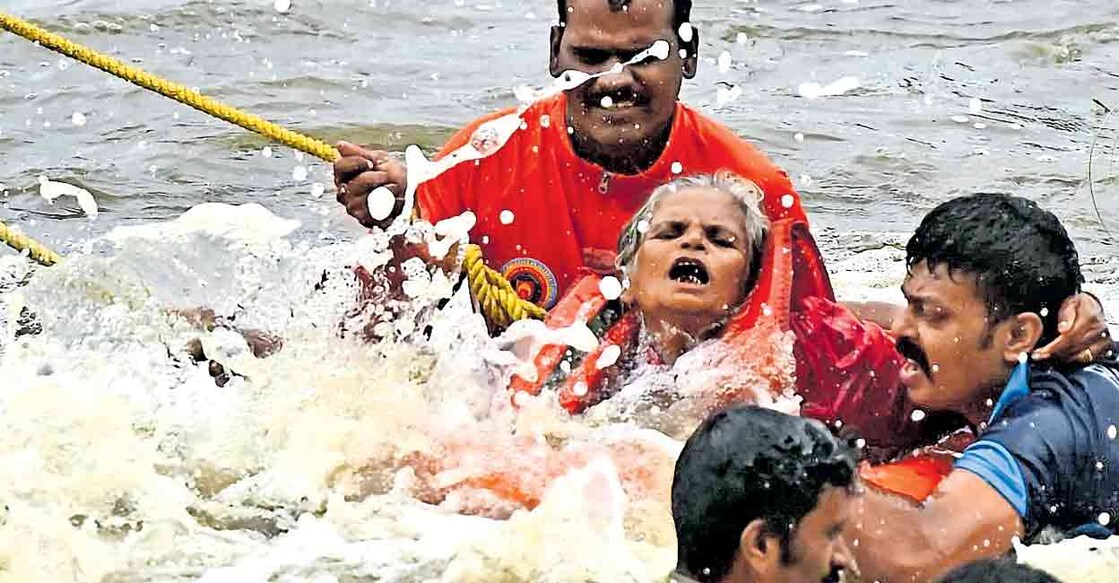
541,209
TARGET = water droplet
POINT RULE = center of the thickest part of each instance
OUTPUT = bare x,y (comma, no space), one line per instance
979,125
787,201
545,121
805,180
1112,432
687,33
741,38
960,118
317,189
1023,358
642,226
724,62
1104,518
282,6
609,356
299,173
974,105
917,415
266,152
607,102
860,443
798,137
381,203
610,288
580,389
506,217
78,119
677,167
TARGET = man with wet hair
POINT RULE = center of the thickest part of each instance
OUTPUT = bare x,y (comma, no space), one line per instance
997,571
760,496
986,274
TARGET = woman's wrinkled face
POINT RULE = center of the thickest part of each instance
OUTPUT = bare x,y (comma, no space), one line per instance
690,271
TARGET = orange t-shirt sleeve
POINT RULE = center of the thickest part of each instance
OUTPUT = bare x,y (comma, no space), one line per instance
451,193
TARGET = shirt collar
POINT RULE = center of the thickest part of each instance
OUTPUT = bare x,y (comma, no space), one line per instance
1017,387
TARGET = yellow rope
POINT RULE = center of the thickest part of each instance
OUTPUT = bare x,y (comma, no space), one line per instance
499,303
176,91
21,243
494,294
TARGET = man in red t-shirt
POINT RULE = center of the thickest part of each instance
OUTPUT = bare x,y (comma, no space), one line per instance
555,197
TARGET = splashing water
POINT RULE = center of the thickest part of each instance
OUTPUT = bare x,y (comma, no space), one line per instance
126,460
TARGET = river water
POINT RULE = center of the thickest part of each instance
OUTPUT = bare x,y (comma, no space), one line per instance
133,466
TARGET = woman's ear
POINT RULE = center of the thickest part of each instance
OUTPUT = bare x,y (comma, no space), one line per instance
1026,330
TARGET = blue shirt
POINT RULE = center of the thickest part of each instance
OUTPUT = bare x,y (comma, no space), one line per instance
1050,447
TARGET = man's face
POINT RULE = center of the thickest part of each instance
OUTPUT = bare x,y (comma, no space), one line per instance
691,269
819,552
622,111
955,356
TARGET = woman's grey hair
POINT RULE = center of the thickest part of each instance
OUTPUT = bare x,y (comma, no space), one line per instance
744,192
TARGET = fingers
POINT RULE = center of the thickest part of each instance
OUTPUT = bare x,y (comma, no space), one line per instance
347,149
346,169
1082,332
355,160
354,194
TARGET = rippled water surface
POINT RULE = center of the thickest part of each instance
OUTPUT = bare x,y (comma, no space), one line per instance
132,466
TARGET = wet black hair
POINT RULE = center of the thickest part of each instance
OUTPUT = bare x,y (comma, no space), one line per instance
997,571
743,464
1021,255
681,10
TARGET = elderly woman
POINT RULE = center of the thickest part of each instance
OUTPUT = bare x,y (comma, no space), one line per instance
721,306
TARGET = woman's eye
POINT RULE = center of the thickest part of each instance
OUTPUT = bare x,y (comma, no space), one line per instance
722,239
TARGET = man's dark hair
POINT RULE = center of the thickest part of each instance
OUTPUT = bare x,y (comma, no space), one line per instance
1021,255
997,571
681,10
744,464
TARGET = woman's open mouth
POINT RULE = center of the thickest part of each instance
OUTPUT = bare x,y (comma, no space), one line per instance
689,271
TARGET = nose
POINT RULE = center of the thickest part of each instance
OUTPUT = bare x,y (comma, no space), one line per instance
615,76
844,559
903,325
692,238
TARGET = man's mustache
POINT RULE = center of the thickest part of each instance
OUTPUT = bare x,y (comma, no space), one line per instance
593,97
909,349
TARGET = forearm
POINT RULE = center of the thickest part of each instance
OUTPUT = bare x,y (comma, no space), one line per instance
888,540
898,541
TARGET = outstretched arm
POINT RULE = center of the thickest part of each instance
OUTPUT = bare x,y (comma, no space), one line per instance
966,519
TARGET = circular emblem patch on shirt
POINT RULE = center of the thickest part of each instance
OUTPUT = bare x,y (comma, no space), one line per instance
532,280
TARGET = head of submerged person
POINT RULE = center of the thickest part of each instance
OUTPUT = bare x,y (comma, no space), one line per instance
621,119
997,571
689,253
986,277
760,496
